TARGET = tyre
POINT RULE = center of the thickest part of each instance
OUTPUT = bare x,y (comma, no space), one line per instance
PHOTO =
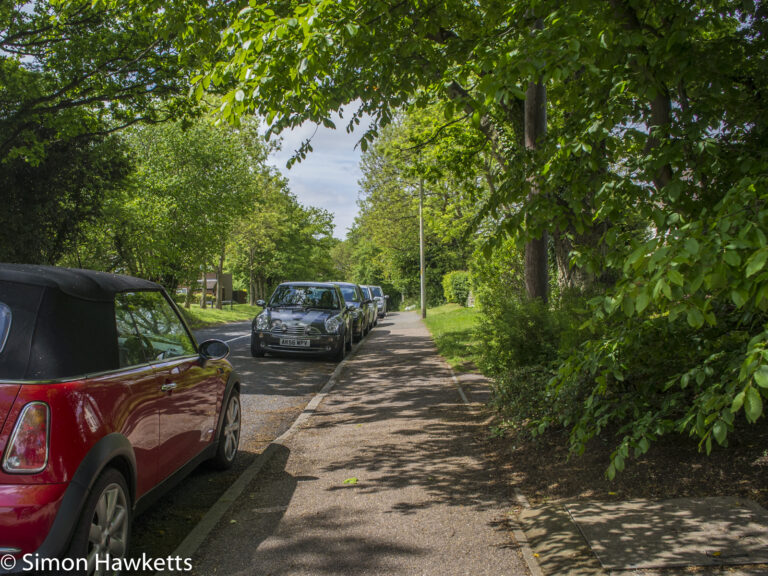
229,435
104,526
348,342
256,350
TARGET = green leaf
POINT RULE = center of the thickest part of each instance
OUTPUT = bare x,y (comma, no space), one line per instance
738,298
761,376
692,246
695,318
350,481
732,258
675,277
756,262
628,305
641,301
753,404
720,431
738,402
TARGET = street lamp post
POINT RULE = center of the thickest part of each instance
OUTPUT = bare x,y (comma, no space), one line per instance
421,250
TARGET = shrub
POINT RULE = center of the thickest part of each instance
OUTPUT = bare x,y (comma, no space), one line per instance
456,286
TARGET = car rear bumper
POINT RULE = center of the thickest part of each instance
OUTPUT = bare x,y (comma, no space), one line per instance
323,344
27,513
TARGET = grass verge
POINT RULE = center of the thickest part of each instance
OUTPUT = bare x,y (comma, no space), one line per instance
452,327
198,317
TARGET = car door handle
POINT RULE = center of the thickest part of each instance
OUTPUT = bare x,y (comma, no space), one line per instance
168,386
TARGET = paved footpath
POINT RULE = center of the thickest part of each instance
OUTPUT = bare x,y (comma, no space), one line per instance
384,478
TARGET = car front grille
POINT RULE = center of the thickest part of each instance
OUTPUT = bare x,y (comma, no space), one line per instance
299,330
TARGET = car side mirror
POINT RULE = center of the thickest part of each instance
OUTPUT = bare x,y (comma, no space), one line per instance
350,308
386,296
213,350
261,303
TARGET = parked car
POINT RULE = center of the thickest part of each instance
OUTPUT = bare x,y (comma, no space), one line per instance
371,311
355,300
303,318
381,300
106,400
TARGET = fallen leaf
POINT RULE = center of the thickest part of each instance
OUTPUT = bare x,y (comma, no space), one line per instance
352,480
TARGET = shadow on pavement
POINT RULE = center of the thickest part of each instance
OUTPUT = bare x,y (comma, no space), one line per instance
259,513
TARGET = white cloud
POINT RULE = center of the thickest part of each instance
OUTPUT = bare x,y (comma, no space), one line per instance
328,177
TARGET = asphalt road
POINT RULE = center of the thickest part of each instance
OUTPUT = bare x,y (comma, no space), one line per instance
273,392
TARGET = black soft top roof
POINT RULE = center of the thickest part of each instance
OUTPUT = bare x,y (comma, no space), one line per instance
83,284
62,321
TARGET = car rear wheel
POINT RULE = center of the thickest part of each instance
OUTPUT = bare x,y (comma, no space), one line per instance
105,525
229,435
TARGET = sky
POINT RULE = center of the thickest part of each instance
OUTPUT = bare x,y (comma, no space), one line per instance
328,177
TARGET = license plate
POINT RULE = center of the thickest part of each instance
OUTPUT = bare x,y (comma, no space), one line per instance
294,342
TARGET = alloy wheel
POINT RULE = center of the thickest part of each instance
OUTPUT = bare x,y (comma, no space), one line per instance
108,534
232,428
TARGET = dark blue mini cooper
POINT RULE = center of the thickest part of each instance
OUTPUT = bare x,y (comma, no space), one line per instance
303,318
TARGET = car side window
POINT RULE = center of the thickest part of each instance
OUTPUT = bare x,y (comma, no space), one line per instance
5,324
148,326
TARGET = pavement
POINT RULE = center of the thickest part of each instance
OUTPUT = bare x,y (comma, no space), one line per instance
383,474
382,478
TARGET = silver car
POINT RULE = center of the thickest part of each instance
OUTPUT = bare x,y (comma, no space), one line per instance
381,300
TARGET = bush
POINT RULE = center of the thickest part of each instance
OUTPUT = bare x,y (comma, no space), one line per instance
522,342
456,287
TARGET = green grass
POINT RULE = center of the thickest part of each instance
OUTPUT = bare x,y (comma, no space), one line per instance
452,328
197,317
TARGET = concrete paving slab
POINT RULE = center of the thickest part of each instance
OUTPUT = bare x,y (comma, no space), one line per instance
644,534
559,546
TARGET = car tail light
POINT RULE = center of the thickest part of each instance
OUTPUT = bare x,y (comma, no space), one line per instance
27,451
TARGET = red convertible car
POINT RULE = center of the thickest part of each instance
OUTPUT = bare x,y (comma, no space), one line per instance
105,401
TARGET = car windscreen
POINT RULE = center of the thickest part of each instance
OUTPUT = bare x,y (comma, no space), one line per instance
366,292
376,291
322,297
350,294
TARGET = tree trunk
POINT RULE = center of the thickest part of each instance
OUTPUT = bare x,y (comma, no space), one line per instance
251,280
190,292
219,274
204,296
568,275
536,262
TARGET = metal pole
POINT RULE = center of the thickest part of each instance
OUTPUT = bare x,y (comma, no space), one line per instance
421,250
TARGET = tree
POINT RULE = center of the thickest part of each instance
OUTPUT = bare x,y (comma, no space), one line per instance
60,58
172,221
48,207
652,172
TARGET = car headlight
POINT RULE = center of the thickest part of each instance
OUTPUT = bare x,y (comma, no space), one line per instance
333,324
262,322
276,324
